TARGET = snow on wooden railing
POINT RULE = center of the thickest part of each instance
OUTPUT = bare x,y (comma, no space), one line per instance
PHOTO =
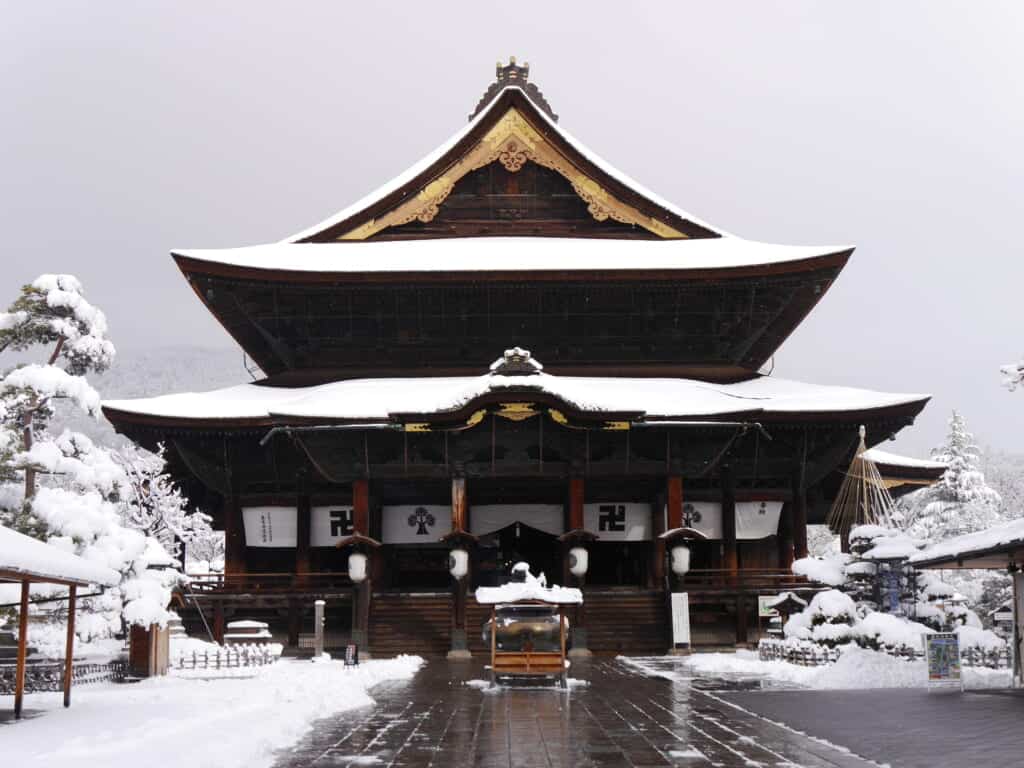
807,654
231,657
49,676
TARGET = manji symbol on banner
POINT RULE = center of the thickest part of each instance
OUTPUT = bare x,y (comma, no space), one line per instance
618,521
329,524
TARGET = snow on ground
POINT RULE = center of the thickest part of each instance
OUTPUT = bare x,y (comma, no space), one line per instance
194,723
857,668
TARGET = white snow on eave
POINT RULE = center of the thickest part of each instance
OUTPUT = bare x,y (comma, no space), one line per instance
35,559
380,398
997,536
895,460
422,165
512,254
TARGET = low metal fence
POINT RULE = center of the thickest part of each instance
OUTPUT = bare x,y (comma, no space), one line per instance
808,654
43,677
231,657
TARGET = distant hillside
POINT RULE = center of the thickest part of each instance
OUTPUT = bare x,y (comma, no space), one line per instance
158,371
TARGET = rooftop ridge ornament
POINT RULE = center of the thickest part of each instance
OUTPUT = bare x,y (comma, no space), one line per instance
512,74
516,362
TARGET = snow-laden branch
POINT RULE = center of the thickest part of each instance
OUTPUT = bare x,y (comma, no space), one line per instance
47,381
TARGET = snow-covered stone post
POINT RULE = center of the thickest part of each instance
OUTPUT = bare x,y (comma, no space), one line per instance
461,545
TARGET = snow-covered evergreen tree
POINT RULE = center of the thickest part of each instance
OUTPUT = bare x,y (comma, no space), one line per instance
961,501
63,488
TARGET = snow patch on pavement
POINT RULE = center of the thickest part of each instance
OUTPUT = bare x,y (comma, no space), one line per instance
193,723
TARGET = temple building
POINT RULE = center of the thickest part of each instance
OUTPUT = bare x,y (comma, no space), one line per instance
512,350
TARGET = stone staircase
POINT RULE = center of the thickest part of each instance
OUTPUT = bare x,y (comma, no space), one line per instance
418,623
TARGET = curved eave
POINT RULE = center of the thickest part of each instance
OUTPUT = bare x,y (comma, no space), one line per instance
904,412
190,263
377,204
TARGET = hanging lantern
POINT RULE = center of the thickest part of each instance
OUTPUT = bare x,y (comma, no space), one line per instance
458,563
357,567
579,560
680,560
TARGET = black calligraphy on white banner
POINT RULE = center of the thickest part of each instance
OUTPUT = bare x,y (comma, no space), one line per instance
269,526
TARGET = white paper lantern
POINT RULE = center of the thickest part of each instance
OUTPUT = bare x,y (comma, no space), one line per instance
458,563
578,561
357,567
680,560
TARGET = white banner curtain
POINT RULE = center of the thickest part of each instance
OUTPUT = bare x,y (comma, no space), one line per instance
757,519
327,524
270,526
618,521
415,523
490,517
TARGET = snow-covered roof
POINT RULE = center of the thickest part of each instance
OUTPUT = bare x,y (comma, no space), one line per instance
1005,535
21,555
425,163
367,399
513,254
895,460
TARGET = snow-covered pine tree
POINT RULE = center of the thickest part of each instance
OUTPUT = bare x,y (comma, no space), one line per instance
63,488
961,501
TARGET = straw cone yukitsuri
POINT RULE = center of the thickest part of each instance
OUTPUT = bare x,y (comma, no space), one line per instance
512,352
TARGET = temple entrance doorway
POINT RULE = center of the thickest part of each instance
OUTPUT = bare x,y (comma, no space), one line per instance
517,542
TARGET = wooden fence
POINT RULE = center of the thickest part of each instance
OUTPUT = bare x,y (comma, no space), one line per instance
229,657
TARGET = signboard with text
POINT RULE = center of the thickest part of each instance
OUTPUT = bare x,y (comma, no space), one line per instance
942,652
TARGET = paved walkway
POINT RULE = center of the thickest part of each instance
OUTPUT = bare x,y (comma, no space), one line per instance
622,718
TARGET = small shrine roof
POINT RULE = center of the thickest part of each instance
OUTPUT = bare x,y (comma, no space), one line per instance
896,460
22,557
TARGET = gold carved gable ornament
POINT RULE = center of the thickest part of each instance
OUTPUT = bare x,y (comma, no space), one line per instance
512,141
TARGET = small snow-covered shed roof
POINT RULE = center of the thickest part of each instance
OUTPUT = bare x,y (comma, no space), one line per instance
24,558
648,399
997,547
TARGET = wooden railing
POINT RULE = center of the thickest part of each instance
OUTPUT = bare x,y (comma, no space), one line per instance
220,583
765,580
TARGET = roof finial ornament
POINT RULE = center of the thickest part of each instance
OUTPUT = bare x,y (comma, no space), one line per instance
518,76
516,362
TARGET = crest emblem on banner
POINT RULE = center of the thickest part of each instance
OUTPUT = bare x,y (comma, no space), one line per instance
421,519
691,516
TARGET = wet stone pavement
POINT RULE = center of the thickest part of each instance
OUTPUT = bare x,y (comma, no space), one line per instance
620,717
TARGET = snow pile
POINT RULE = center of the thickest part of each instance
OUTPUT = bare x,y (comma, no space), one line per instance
193,723
530,588
893,634
828,569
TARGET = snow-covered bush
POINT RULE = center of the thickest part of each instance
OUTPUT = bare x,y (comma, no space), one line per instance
889,633
828,620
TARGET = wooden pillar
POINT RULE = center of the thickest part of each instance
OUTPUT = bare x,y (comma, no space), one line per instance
799,516
218,622
741,618
674,495
19,673
361,506
69,645
656,569
785,539
302,537
294,622
460,517
575,503
234,537
730,550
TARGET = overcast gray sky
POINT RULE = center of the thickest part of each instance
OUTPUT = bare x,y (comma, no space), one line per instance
132,128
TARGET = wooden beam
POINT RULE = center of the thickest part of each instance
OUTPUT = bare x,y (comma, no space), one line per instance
786,536
69,647
19,674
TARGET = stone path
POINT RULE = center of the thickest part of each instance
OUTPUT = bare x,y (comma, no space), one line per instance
622,718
